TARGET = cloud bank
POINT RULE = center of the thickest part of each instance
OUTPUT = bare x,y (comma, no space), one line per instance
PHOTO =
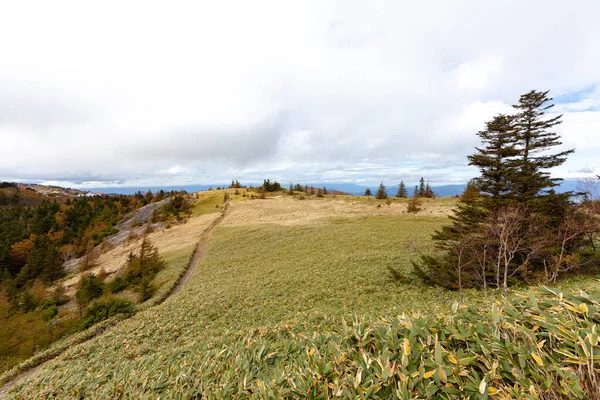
149,93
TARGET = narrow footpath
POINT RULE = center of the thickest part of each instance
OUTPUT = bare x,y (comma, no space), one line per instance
195,261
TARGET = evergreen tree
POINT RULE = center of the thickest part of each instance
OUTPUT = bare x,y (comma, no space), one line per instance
517,224
381,192
148,197
495,160
145,290
42,261
421,192
429,192
368,192
471,192
535,140
90,288
145,264
150,260
441,269
401,193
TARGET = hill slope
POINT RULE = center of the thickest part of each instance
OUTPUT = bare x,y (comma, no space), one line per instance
293,300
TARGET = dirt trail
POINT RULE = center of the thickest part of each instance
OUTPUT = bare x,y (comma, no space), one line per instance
195,261
198,253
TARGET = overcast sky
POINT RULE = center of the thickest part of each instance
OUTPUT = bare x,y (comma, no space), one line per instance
173,93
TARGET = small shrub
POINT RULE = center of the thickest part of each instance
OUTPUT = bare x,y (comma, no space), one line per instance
132,235
49,311
413,205
399,276
58,295
117,285
156,216
102,274
88,261
90,288
145,290
103,309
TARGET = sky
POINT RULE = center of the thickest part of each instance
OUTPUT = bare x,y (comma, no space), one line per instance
112,93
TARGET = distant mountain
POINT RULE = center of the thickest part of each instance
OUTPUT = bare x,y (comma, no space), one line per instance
568,185
448,190
350,188
144,189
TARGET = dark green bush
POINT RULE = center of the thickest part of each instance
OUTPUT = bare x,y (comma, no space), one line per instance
90,288
117,285
103,309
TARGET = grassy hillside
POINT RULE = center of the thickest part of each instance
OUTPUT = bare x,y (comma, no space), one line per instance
294,299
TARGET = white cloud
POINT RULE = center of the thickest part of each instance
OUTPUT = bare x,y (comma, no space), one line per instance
174,170
195,92
478,74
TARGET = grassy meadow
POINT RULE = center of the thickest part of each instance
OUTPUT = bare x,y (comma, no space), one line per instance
295,299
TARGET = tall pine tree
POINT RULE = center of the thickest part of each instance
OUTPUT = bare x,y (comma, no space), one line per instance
422,187
496,160
514,182
401,193
534,140
381,192
429,191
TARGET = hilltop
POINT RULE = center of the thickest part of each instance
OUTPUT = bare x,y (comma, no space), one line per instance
31,194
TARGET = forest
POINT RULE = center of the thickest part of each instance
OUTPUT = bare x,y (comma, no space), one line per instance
35,242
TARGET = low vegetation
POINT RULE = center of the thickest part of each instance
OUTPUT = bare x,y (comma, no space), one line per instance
309,309
35,242
524,347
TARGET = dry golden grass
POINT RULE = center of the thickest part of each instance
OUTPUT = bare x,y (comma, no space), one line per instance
182,236
286,211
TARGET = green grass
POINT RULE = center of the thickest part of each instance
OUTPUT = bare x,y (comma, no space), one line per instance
266,312
175,264
208,203
338,267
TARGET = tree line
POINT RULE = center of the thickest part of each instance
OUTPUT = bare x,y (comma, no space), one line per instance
421,190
